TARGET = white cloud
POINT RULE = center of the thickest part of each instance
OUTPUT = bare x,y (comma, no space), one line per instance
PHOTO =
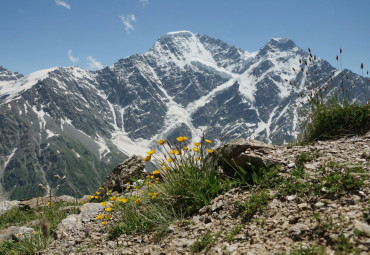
144,2
93,64
72,58
63,4
127,22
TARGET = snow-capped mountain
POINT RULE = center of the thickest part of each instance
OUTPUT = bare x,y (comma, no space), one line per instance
79,124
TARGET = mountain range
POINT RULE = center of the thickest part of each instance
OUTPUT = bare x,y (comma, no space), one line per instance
79,124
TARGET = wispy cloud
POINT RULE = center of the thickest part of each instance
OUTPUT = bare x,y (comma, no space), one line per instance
93,64
63,4
72,58
144,2
127,22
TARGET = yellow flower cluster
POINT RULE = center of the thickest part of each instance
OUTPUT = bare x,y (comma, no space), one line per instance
178,154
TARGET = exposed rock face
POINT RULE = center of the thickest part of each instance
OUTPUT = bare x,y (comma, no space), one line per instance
123,173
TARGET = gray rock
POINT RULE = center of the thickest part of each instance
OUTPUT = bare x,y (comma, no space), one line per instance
319,204
363,227
298,229
15,232
123,173
242,153
75,221
7,205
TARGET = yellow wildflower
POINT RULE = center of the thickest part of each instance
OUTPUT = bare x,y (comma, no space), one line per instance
152,177
173,152
123,200
128,187
197,144
147,158
91,197
169,160
83,202
19,234
137,200
110,191
155,195
195,149
210,151
196,158
155,172
208,141
161,142
108,216
112,198
100,216
135,187
185,148
180,139
108,209
185,138
103,222
104,203
96,197
151,152
150,185
156,182
97,193
101,188
178,152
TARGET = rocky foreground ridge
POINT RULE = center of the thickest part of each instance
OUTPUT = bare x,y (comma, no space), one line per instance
330,222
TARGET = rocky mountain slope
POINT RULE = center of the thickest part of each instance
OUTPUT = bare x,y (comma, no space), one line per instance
79,124
333,221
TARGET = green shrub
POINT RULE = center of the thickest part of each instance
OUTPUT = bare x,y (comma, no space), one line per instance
334,120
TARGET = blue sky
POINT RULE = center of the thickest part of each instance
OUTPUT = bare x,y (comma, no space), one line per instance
39,34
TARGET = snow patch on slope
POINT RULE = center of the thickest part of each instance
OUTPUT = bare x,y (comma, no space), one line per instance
14,88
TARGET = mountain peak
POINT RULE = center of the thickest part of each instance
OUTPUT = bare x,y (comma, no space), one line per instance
183,33
282,44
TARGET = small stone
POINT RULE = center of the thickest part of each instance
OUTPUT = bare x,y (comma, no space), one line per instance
298,228
182,242
303,206
274,203
204,210
232,248
319,204
291,198
291,165
356,198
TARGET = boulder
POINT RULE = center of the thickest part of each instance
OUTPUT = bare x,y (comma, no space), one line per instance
243,153
133,167
7,205
43,201
15,233
87,211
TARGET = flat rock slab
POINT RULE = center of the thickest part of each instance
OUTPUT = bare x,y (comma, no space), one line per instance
7,205
42,201
75,221
15,231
